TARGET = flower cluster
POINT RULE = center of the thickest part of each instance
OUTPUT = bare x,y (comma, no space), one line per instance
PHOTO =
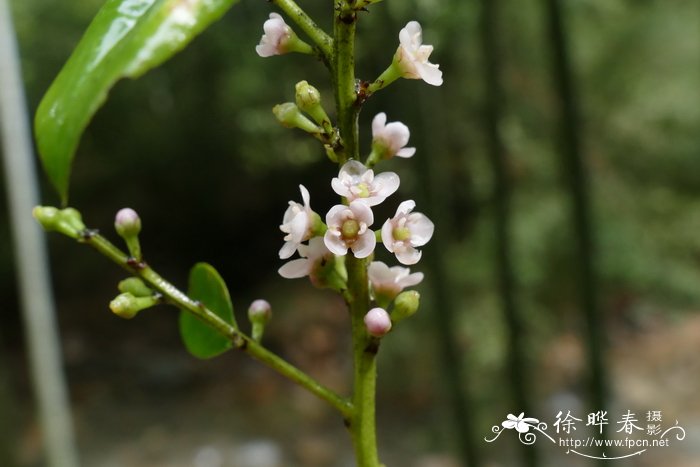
348,230
348,227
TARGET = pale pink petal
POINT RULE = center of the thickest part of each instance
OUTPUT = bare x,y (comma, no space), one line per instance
362,212
335,243
378,123
430,73
353,168
298,227
406,152
386,184
421,228
305,196
336,215
387,235
405,207
380,272
340,188
290,212
287,250
295,269
364,245
408,256
411,280
397,134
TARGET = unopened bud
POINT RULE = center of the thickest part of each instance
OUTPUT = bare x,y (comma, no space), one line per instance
66,221
405,305
309,100
289,116
307,96
377,322
127,223
136,287
126,305
259,314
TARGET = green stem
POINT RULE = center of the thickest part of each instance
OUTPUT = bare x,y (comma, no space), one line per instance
362,424
322,40
344,80
242,342
365,349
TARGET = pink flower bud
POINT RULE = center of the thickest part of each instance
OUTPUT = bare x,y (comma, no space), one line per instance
259,311
127,223
377,322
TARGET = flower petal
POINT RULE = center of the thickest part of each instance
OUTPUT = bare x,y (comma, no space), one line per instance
406,152
305,196
388,236
408,256
430,73
287,250
362,212
335,244
340,188
386,184
405,207
364,245
411,280
378,123
421,228
295,269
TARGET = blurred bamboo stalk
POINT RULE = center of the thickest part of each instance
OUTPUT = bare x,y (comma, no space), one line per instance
30,256
434,171
576,177
502,194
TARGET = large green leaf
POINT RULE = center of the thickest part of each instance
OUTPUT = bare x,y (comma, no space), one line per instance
207,286
126,39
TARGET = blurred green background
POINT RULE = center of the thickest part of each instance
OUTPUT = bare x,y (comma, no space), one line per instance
194,148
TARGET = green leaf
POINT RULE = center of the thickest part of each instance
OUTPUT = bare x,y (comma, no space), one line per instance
126,39
207,286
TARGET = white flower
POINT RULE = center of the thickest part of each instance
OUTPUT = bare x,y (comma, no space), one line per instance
313,255
389,282
377,322
277,36
521,423
390,139
412,56
348,227
357,182
405,231
297,223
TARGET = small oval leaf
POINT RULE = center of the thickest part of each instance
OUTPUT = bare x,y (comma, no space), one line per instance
125,39
207,286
